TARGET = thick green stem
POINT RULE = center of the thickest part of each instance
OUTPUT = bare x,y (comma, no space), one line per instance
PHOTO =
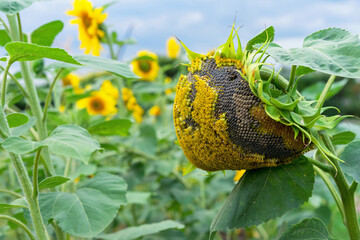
48,97
25,183
325,91
346,194
332,190
20,224
33,96
292,78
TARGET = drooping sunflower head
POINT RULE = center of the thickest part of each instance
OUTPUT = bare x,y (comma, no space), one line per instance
220,118
89,20
146,65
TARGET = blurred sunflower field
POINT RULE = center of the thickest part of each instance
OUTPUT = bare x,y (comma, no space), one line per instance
89,149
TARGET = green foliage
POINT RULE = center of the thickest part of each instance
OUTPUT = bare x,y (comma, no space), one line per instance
66,140
89,210
6,207
143,230
21,51
332,51
4,37
21,129
265,36
46,34
351,157
15,6
112,127
265,193
16,119
345,137
308,229
52,182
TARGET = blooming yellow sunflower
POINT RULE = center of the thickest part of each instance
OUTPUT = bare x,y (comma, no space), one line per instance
138,113
146,65
98,103
89,20
155,111
126,94
71,79
172,47
109,89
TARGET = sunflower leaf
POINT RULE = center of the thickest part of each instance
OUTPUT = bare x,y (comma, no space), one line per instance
65,140
15,6
46,34
21,51
253,201
266,35
312,228
333,51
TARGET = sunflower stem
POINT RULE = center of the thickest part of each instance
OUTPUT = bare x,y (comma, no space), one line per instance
25,184
110,42
48,97
346,193
3,89
20,224
33,96
16,82
292,78
332,190
11,193
35,174
5,26
325,91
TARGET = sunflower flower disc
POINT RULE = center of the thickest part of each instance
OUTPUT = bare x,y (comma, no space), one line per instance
221,124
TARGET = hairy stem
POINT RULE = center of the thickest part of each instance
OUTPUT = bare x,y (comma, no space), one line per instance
17,83
3,89
20,224
346,194
325,91
33,96
25,183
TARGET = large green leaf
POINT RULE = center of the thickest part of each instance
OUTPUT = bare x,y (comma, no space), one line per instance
266,35
264,194
14,6
4,37
21,51
111,127
119,68
89,210
142,230
312,228
333,51
345,137
99,63
66,140
46,34
351,158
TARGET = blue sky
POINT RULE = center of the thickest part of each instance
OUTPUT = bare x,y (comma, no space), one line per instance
202,24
